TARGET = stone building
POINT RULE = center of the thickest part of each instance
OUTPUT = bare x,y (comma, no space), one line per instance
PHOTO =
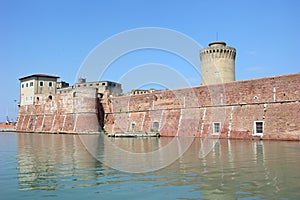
113,88
34,85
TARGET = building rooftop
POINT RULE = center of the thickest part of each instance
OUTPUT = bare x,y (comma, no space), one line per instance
39,75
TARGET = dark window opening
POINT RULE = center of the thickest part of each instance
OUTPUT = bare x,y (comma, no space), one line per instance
50,97
216,127
259,127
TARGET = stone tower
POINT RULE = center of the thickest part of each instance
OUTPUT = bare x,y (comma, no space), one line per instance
218,63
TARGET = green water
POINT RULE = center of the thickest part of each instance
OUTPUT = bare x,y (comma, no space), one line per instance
36,166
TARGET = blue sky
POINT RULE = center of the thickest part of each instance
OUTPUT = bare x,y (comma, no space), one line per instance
54,37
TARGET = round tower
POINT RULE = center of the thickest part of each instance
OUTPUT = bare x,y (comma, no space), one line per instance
218,63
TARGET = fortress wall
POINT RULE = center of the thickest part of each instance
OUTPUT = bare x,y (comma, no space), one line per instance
75,111
236,105
183,112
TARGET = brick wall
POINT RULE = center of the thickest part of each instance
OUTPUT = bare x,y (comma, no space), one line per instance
183,112
192,111
75,111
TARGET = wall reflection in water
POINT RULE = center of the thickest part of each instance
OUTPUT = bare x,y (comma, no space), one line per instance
232,169
53,161
241,169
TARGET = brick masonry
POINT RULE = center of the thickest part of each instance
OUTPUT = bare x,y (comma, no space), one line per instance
192,111
73,112
183,112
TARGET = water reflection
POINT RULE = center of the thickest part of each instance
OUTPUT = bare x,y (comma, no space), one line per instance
233,169
49,161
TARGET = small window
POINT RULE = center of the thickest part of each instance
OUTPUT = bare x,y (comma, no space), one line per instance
132,126
50,97
31,84
50,84
103,83
91,84
259,127
41,84
26,84
155,126
216,128
22,85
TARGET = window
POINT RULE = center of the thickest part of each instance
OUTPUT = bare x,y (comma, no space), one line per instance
258,127
132,127
155,126
26,84
216,128
31,84
22,85
41,83
50,84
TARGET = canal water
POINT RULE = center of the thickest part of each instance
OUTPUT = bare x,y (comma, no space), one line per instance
42,166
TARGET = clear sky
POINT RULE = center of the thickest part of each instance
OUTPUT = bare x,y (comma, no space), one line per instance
54,37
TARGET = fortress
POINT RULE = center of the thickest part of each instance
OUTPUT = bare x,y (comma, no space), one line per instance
265,108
